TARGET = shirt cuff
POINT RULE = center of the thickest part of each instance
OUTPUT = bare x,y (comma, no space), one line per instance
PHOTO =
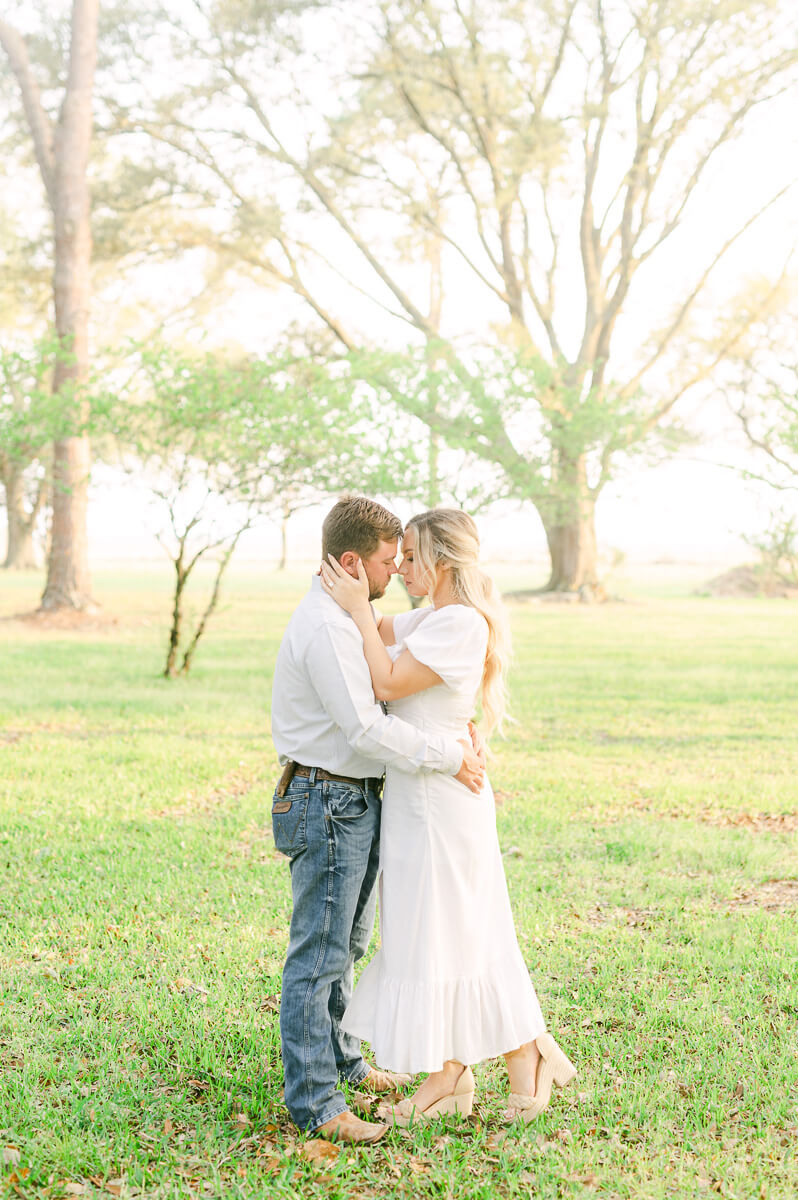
453,757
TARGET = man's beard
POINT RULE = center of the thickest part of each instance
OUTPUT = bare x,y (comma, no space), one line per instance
375,591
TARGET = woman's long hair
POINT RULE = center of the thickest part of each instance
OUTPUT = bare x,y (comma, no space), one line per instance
448,537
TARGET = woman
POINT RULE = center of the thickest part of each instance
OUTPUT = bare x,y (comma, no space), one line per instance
448,986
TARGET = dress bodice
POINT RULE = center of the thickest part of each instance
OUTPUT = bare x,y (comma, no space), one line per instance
452,641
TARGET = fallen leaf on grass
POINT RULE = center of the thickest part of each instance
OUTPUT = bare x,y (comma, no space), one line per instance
11,1155
197,1086
269,1161
19,1176
272,1003
417,1166
739,1091
589,1180
168,1127
319,1149
73,1188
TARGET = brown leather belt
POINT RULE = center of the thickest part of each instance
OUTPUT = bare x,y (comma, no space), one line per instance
328,775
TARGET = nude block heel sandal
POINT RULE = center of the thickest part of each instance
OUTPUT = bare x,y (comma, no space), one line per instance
460,1100
554,1067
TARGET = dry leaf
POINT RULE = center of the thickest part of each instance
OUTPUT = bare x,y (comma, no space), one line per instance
72,1188
739,1091
19,1176
318,1149
11,1155
168,1127
242,1118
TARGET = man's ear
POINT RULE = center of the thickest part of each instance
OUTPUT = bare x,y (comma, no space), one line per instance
349,561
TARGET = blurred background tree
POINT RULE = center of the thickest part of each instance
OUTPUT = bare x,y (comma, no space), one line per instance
545,156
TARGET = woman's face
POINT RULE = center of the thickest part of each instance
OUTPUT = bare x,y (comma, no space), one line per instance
407,567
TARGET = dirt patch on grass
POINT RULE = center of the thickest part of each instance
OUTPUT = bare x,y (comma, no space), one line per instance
66,620
205,803
758,822
618,914
777,895
748,581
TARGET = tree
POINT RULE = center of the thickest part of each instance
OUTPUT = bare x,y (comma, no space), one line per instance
761,388
225,442
62,153
25,434
554,151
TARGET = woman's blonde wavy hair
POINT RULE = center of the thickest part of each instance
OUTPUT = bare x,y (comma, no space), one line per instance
448,537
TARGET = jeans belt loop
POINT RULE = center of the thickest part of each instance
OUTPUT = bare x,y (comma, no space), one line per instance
312,776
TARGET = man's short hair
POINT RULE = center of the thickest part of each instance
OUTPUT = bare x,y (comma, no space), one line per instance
358,524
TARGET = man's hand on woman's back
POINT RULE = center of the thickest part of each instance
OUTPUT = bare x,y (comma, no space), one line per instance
472,770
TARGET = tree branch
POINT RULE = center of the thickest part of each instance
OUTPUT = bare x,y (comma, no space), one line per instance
41,127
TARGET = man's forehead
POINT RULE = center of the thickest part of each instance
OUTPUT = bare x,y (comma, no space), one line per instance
386,549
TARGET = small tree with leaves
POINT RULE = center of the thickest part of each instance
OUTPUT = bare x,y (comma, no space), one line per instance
221,443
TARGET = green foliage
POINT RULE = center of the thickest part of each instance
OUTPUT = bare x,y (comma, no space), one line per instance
223,443
254,428
31,416
548,437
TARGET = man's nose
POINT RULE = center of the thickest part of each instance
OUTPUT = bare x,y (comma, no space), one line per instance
393,570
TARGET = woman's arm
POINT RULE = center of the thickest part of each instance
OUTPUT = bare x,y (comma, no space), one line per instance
385,626
391,680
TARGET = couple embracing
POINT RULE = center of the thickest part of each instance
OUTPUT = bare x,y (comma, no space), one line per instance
361,698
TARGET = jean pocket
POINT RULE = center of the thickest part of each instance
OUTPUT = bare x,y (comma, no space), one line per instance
289,822
345,803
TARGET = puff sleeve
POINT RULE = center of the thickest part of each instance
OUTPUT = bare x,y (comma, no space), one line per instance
452,642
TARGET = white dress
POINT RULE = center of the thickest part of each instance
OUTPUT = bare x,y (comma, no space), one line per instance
448,981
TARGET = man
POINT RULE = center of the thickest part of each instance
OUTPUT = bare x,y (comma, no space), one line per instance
334,740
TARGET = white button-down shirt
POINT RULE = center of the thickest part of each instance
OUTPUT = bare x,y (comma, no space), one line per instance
323,709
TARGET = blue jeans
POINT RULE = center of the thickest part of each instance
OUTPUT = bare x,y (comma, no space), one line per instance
330,832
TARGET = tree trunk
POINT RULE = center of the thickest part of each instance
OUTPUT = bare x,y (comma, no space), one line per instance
570,528
68,584
572,546
181,578
20,554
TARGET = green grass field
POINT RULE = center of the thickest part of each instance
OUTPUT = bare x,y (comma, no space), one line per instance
649,808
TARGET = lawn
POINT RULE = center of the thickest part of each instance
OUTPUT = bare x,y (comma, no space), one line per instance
648,812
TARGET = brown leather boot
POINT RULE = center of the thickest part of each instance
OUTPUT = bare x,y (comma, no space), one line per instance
382,1081
346,1127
